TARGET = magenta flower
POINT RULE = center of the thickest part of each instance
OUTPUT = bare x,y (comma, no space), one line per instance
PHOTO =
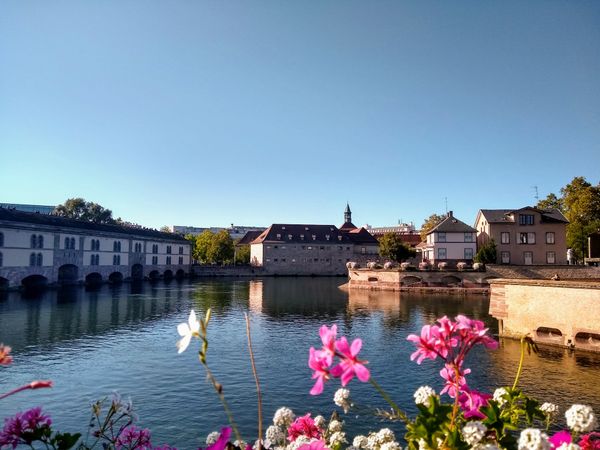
303,426
562,437
590,441
350,365
328,337
314,445
471,402
455,383
134,438
20,428
221,443
473,332
321,370
427,344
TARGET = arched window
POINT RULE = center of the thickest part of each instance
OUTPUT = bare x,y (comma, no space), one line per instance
32,259
119,246
40,242
1,239
39,259
0,259
73,243
33,241
67,243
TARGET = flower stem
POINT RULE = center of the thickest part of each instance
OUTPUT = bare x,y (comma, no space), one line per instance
258,392
514,386
401,415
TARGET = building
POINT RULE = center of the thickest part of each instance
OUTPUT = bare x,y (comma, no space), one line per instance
405,231
235,231
308,249
524,236
450,241
41,209
45,249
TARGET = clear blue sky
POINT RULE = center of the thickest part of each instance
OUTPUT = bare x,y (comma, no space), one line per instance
254,112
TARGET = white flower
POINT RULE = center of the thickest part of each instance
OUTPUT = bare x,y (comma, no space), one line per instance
342,399
339,437
569,446
334,426
299,442
320,422
360,441
283,417
391,446
275,435
581,418
473,432
423,394
265,444
423,444
486,447
499,396
212,437
533,439
385,435
549,408
187,330
372,442
240,444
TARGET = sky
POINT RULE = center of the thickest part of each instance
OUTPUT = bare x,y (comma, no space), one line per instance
207,113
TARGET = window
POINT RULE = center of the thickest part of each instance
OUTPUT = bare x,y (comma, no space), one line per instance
180,260
527,238
314,236
181,250
441,236
441,253
1,239
278,235
154,248
115,249
168,249
168,260
468,253
39,260
525,219
363,250
289,237
302,237
154,260
116,260
550,238
327,236
505,237
32,259
340,237
67,243
95,245
551,257
528,258
321,247
94,260
73,243
33,242
468,237
505,257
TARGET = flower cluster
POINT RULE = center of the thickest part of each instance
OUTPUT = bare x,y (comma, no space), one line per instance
25,428
321,361
5,357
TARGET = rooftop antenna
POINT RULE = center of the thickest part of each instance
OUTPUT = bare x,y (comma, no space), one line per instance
446,201
536,196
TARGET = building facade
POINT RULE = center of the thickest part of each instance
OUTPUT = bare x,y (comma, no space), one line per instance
44,249
526,236
451,241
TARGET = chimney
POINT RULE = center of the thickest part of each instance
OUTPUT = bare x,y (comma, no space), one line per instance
450,214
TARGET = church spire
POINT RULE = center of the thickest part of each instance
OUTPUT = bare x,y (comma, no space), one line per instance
347,214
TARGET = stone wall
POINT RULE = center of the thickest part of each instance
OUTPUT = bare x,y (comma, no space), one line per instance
544,272
226,271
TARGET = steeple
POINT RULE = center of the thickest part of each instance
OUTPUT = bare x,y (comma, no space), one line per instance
347,214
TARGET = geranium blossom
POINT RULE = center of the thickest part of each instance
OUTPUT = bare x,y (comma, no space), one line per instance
187,330
328,337
560,438
471,402
314,445
321,370
5,358
350,365
134,438
20,428
303,426
590,441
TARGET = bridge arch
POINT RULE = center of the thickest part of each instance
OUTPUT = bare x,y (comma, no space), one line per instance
168,275
93,278
137,272
410,279
34,281
68,274
4,284
154,275
115,277
451,280
180,274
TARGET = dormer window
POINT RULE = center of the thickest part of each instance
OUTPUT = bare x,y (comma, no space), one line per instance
289,237
306,228
283,228
278,235
314,236
327,236
340,237
302,237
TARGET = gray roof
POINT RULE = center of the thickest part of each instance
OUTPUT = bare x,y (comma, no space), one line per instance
323,234
503,215
452,225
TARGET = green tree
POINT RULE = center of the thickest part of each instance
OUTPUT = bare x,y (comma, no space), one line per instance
550,202
220,250
165,229
78,208
392,247
486,253
192,239
242,254
430,223
203,243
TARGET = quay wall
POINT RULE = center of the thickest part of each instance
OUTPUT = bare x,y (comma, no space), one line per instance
563,313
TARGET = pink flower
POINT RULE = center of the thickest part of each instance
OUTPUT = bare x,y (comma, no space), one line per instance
221,443
473,332
426,344
37,384
5,358
471,402
562,437
350,365
590,441
315,445
303,426
20,428
328,337
321,370
134,438
454,383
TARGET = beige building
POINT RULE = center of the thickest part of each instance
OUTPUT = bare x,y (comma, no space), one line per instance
450,241
524,236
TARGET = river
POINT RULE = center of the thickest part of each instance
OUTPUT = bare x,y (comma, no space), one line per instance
91,343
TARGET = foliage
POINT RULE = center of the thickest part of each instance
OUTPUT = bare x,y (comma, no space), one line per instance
430,223
203,243
392,247
165,229
487,253
221,248
242,254
580,203
78,208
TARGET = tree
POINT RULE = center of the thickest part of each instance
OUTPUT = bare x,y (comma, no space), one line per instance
203,243
550,202
78,208
392,247
242,254
165,229
221,248
430,223
486,253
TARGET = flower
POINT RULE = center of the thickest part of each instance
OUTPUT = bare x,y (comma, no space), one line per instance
337,438
569,446
426,344
580,418
533,439
549,408
187,330
212,437
303,426
474,432
328,339
590,441
350,365
320,368
133,437
20,428
390,446
385,435
342,399
562,437
423,396
334,426
221,442
314,445
5,357
360,441
500,395
275,435
471,402
283,417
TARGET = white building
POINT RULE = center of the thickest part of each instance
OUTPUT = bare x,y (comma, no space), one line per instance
450,241
44,249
